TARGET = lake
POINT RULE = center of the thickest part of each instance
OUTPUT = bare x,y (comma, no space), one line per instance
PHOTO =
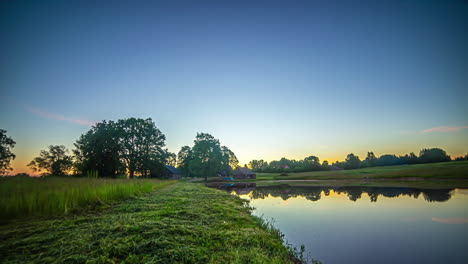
366,224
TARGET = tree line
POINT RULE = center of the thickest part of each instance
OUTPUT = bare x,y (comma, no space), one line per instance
136,147
126,147
352,161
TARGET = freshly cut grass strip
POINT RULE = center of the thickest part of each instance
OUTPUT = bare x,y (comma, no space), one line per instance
183,223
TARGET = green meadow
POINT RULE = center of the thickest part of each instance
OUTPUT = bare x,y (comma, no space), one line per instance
180,223
454,174
443,170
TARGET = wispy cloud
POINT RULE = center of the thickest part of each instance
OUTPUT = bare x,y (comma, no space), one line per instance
444,129
54,116
460,220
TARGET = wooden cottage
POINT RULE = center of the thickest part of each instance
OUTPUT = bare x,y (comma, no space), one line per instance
171,172
243,173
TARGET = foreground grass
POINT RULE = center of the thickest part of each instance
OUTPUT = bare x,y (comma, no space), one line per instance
22,197
182,223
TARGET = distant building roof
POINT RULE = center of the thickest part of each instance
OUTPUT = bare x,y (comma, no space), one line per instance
172,169
243,171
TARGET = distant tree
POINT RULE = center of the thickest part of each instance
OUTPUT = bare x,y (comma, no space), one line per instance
22,174
153,166
258,165
389,160
371,160
462,158
183,160
410,158
54,161
170,158
339,164
230,160
207,156
433,155
325,165
311,163
6,144
352,162
140,142
98,151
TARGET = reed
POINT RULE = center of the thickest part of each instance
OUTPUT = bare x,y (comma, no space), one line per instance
22,197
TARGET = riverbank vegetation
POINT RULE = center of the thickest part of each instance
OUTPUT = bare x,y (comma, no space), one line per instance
165,226
24,197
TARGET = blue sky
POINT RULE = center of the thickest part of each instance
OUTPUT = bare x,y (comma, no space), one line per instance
269,79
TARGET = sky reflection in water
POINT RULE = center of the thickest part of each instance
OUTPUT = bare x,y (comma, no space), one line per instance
368,224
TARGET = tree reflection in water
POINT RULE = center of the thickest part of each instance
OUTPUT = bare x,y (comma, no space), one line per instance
314,193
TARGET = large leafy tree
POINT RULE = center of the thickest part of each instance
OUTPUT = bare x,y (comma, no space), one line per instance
312,163
207,156
230,160
183,159
371,160
258,165
155,164
433,155
352,162
410,158
132,145
170,158
389,160
141,142
98,150
54,161
6,144
325,165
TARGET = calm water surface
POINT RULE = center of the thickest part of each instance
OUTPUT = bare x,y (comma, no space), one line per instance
368,224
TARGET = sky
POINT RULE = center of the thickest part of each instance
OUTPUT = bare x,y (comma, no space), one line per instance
269,79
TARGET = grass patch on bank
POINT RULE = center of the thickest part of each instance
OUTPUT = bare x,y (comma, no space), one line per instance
183,223
22,197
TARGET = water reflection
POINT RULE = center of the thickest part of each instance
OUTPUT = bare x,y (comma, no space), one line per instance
343,224
315,193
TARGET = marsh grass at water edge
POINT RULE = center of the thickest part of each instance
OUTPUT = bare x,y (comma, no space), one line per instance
25,197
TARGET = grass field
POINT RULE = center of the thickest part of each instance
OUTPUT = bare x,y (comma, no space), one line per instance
22,197
181,223
431,171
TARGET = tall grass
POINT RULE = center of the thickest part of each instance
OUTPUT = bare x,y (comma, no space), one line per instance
22,197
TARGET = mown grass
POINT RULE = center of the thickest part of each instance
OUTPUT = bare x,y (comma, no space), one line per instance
22,197
182,223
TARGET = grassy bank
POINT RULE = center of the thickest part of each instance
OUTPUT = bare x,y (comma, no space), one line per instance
444,170
22,197
182,223
454,171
